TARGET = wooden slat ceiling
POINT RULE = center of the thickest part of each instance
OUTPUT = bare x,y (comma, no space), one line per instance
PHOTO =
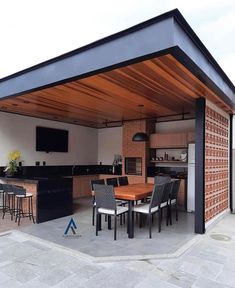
163,85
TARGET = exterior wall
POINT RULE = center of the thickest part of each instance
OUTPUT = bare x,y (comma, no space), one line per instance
19,133
136,149
109,144
216,160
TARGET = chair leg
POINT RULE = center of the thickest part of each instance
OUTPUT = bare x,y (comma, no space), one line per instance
167,215
93,215
159,221
115,227
100,221
170,214
97,224
150,225
109,222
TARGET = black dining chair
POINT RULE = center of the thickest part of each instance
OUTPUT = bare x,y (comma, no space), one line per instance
123,181
165,201
112,181
152,207
106,204
173,202
162,179
98,181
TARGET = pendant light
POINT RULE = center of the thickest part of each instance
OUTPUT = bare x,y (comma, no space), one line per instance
140,136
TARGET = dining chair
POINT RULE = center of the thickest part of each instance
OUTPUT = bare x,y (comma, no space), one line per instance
123,181
112,181
98,181
106,204
152,207
165,201
162,179
173,202
158,180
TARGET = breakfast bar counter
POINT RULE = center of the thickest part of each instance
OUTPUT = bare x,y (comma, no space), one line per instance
52,197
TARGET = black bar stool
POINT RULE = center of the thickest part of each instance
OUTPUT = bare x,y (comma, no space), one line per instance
2,197
9,200
21,195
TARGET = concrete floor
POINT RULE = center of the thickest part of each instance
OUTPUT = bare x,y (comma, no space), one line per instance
168,241
27,261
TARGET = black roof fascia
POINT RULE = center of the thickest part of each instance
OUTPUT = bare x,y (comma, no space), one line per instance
169,43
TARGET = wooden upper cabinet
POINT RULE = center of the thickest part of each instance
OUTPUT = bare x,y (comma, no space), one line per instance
172,140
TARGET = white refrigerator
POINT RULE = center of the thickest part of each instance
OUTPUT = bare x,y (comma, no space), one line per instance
191,178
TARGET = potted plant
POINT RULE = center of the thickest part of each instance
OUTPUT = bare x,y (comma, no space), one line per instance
13,163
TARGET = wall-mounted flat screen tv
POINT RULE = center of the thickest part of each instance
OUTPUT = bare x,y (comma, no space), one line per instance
51,140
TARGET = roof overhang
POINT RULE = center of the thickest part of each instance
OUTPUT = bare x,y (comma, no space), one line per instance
167,34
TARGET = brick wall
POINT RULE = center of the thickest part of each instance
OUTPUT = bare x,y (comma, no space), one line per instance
216,161
136,149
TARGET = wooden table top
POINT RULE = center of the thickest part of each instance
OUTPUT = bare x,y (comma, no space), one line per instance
133,191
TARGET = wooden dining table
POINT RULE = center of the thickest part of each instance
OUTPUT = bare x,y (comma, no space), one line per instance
132,193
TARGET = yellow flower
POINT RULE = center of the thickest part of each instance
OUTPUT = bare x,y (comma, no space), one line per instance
14,155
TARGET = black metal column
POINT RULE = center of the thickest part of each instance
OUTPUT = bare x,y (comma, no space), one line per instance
200,167
231,164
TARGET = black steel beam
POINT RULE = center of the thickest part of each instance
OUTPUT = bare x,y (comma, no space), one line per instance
200,167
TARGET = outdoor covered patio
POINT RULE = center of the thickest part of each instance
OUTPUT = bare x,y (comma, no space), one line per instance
162,65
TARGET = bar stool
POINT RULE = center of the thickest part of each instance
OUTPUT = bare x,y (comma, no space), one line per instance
2,196
20,195
9,200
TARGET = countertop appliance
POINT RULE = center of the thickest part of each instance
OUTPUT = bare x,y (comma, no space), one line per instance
191,178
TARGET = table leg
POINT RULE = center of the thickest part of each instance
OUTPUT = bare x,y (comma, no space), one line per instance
130,220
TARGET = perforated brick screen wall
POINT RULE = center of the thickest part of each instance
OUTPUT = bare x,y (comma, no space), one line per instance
216,162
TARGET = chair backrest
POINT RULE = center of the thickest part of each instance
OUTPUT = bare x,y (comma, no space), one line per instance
98,181
112,181
104,195
156,196
161,180
123,180
167,192
1,188
19,190
7,188
175,189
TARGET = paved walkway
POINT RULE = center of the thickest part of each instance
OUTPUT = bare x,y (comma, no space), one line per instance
26,261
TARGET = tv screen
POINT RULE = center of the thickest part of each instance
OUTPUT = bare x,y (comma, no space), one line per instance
51,140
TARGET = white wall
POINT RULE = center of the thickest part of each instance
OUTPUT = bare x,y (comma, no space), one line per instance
109,143
19,133
175,126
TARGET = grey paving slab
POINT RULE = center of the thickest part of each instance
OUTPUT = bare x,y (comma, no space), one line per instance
33,262
54,276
